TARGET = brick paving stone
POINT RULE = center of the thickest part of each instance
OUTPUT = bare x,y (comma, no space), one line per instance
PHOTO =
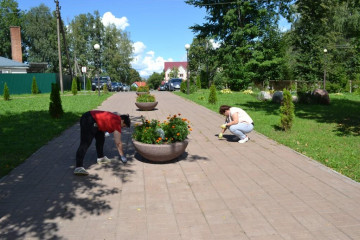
218,189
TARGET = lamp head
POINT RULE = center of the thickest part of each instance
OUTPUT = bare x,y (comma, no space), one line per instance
187,46
96,46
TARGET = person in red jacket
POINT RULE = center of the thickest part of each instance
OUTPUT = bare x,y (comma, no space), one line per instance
94,124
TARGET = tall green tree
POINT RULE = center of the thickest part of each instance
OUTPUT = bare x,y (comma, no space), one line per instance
240,27
155,80
10,15
117,53
40,37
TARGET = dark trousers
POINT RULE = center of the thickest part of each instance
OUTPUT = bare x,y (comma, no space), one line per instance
89,131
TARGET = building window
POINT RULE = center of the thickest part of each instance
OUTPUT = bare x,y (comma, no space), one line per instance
181,75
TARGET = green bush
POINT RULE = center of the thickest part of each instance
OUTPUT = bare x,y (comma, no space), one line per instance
74,88
212,95
105,89
88,85
183,87
55,107
198,82
6,92
287,110
143,89
34,87
145,98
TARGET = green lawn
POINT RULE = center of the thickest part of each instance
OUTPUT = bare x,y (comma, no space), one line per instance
329,134
26,124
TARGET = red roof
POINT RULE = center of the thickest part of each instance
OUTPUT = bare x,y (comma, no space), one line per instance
171,65
140,84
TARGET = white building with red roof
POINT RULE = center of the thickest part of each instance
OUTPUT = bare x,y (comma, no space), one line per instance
181,66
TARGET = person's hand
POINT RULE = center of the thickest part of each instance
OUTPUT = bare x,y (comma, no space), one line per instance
223,126
220,135
123,159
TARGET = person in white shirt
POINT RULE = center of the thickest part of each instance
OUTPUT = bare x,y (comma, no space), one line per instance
238,122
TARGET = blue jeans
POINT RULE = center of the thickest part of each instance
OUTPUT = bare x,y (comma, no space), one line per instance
241,129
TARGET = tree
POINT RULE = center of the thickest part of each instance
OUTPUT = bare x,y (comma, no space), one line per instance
286,111
212,95
40,37
174,73
241,28
55,106
88,84
74,89
34,87
10,15
155,80
6,92
134,76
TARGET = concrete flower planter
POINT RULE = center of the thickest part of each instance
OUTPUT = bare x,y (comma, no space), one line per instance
160,152
146,106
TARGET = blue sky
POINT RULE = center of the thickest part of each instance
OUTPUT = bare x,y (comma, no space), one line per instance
159,29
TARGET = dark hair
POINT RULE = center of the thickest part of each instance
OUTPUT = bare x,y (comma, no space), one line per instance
223,108
126,119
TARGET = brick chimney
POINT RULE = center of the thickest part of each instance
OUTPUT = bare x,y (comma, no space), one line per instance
15,36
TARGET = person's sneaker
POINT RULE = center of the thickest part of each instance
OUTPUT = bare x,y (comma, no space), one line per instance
103,160
80,171
244,140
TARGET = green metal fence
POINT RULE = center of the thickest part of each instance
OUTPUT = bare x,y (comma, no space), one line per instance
21,83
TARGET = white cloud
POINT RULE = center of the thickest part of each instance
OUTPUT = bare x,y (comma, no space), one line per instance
214,44
146,63
120,23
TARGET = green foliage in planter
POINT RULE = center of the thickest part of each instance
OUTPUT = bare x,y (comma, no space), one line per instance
34,87
287,110
105,89
212,95
175,129
145,98
88,85
55,107
74,89
143,89
6,92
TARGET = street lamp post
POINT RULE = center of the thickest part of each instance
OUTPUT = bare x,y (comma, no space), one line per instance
325,52
187,47
97,63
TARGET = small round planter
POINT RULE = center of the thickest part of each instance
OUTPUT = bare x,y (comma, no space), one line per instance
146,106
142,93
160,152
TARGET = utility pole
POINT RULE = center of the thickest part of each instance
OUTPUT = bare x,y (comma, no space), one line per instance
59,45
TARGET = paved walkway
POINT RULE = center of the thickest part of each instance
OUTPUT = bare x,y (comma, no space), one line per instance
219,189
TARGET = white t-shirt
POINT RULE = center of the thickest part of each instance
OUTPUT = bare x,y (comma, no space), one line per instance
243,116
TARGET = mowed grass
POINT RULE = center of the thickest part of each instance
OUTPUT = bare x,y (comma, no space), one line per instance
26,124
329,134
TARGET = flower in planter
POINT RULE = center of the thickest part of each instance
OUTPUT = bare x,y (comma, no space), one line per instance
143,89
174,129
145,98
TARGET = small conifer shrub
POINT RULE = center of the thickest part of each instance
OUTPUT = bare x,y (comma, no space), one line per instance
287,110
34,87
55,107
88,84
6,93
105,89
212,95
74,89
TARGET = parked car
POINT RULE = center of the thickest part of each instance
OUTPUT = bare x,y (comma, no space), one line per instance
125,88
102,81
162,87
174,84
115,86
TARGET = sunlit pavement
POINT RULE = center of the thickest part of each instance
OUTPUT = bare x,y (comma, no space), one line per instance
218,189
